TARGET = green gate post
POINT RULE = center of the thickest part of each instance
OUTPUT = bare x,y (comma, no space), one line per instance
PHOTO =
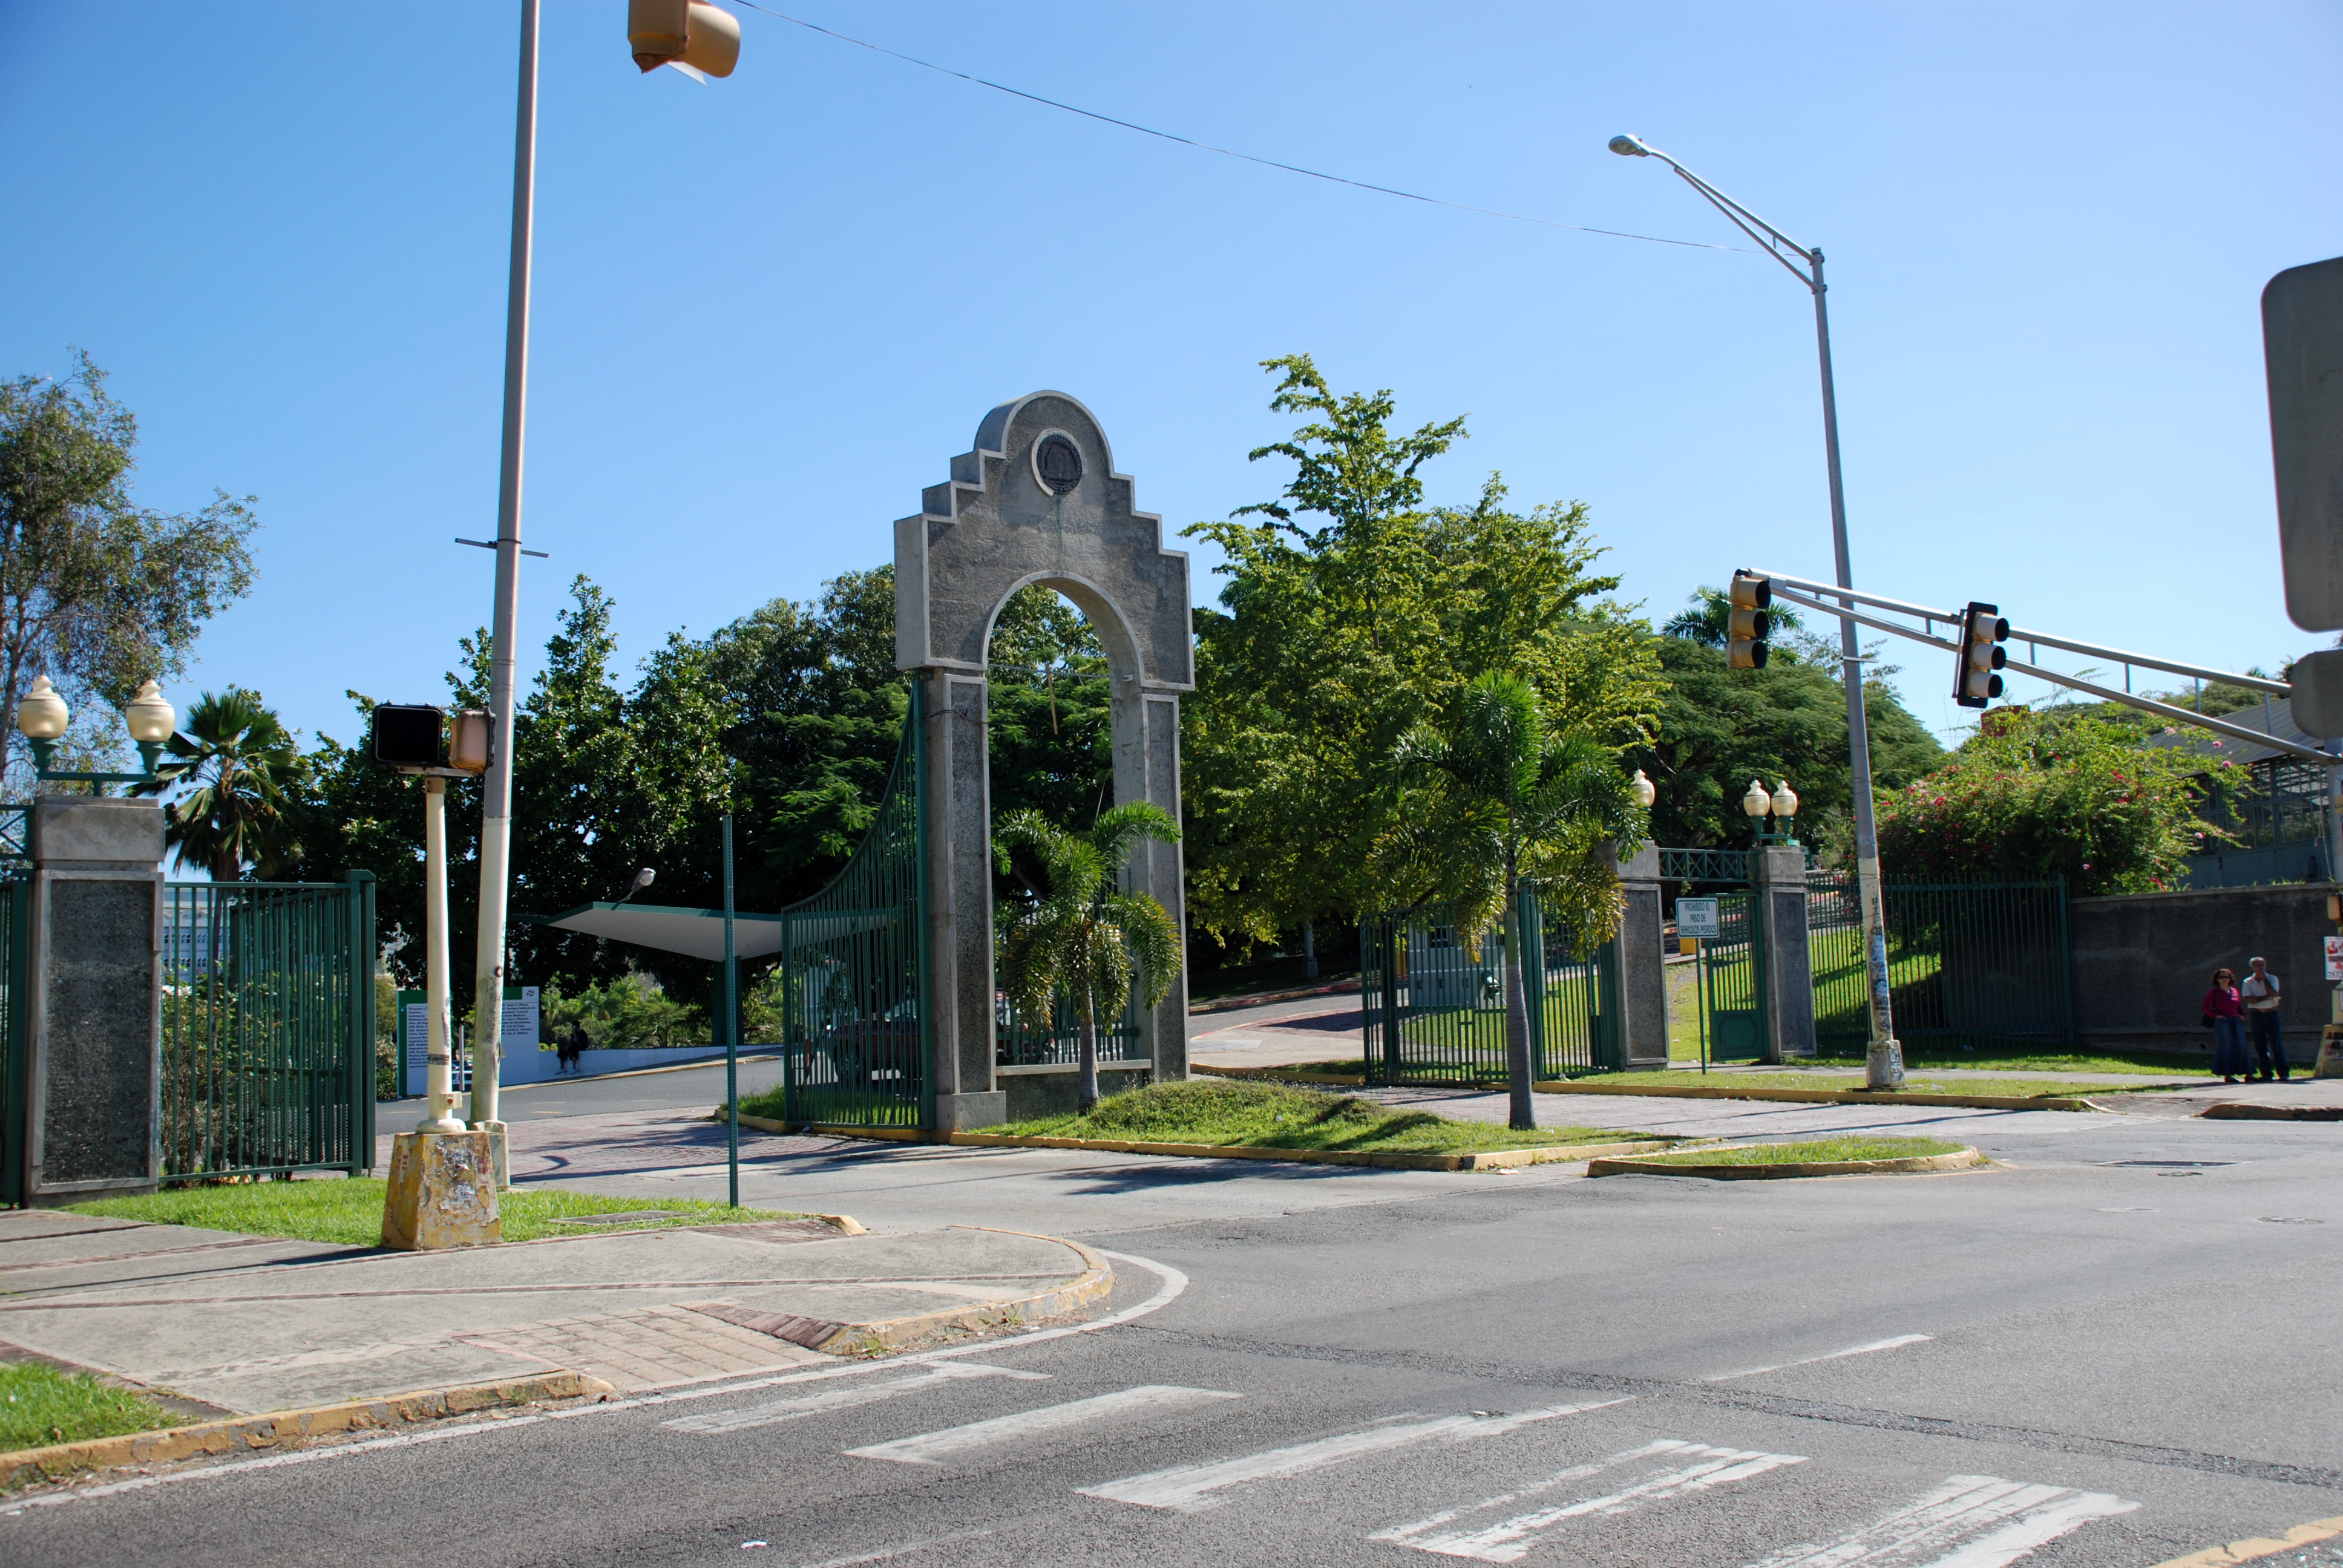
362,1023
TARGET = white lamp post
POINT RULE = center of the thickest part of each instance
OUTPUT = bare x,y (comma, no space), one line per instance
42,717
1644,790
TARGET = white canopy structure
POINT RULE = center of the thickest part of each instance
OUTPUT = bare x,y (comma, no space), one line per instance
695,933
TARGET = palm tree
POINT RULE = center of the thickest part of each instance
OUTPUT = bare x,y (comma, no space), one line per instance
245,769
1498,798
1076,933
1707,619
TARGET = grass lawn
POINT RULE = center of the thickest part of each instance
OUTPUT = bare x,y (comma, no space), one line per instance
1989,1060
351,1212
1815,1150
1254,1114
40,1405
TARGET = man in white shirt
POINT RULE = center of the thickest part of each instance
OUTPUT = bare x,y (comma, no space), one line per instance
2267,1040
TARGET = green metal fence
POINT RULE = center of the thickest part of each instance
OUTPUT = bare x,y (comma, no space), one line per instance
268,1027
853,959
1732,980
16,914
1020,1044
1970,963
1433,998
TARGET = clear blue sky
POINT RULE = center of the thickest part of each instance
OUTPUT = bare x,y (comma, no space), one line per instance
770,309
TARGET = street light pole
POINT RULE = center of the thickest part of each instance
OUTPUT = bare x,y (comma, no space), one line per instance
496,810
1883,1066
731,1015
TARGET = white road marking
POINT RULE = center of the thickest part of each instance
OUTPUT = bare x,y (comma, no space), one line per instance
1897,1343
1188,1488
2016,1516
934,1447
774,1412
1692,1467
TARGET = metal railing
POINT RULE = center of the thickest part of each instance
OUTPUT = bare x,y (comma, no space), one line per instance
1433,998
268,1027
853,962
1971,963
1018,1043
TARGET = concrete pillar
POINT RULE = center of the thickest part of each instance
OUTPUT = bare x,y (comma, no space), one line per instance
1640,991
94,1015
1147,767
1779,897
959,888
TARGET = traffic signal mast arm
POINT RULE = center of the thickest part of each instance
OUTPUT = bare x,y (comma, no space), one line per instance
1783,589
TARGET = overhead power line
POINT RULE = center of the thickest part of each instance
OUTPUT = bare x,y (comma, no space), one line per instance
1209,148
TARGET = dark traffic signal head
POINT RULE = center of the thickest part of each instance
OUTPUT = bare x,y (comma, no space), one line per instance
409,736
1983,631
1748,624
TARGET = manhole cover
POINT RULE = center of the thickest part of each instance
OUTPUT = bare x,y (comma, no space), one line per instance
2290,1220
2174,1164
623,1217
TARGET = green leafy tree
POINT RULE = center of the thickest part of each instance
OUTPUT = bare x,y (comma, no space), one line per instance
1050,735
243,776
96,592
2056,793
1496,797
1353,612
1075,933
1717,728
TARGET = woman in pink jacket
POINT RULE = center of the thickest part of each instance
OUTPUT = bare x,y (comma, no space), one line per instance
2225,1010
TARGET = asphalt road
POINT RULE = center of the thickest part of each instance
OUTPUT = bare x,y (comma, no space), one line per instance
2066,1360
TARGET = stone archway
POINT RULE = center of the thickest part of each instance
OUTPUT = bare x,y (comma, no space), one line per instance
1037,501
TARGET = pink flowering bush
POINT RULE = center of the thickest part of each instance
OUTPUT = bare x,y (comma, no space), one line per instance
2055,794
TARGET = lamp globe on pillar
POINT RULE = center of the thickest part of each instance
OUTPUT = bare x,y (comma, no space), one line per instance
1644,789
1785,811
1756,803
42,717
151,719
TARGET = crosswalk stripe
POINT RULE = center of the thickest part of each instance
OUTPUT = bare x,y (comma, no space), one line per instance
1939,1529
933,1447
774,1412
1188,1488
1697,1467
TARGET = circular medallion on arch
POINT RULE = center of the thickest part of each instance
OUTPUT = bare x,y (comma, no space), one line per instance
1057,463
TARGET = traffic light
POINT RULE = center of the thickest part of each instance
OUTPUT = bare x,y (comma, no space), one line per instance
1745,633
690,33
409,736
1983,631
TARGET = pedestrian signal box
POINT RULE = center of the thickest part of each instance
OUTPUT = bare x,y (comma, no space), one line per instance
407,736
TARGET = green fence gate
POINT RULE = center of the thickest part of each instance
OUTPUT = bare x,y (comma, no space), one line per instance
1433,1006
1970,963
853,959
267,1027
1732,982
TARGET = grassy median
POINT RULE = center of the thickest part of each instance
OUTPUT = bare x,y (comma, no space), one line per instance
40,1405
1689,1076
351,1211
1249,1113
1813,1150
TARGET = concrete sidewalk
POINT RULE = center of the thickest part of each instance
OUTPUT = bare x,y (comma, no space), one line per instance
247,1324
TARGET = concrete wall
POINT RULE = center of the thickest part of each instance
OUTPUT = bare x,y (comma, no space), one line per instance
2142,962
1053,1089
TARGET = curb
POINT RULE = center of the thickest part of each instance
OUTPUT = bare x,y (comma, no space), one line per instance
899,1334
286,1428
1959,1160
2260,1546
2234,1110
1687,1091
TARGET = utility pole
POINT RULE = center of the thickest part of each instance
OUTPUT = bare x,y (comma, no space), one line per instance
496,810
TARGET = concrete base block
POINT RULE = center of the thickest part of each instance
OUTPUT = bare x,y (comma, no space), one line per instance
442,1193
967,1112
497,1162
1036,1092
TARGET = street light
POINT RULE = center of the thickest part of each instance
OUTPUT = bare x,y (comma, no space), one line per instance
42,717
1885,1060
1644,789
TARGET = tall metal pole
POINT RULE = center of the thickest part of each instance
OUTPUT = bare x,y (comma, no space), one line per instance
495,811
1884,1057
732,1029
438,1070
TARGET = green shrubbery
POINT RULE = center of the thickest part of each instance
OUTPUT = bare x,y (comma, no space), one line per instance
2058,793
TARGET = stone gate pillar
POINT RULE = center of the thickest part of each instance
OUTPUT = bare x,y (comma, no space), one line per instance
1037,501
94,1020
1640,964
1778,896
